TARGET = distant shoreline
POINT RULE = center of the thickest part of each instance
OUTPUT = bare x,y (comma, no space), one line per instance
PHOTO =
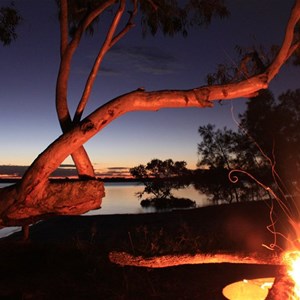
114,179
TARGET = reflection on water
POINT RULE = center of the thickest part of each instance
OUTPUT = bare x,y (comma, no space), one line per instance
120,198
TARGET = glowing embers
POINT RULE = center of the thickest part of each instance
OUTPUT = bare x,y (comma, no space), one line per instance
254,289
292,261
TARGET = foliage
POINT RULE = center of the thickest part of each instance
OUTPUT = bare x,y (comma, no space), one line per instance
9,20
159,178
173,17
251,61
274,125
169,16
168,203
222,150
268,138
217,147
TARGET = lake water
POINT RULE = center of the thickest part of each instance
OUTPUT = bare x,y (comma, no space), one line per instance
120,198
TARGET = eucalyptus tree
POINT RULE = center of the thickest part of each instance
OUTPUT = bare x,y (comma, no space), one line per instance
35,196
78,17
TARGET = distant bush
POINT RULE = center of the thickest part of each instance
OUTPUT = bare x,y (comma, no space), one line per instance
159,178
165,203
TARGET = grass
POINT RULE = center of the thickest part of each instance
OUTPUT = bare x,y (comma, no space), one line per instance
67,257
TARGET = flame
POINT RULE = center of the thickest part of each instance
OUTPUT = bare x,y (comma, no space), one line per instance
292,261
248,289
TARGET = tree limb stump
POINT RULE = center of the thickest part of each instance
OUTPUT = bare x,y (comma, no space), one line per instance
57,198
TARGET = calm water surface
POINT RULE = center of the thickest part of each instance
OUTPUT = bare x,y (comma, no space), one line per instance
120,198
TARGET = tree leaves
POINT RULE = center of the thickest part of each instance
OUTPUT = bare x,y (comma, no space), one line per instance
173,17
9,20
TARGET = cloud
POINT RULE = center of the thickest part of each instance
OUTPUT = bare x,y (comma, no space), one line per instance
149,60
113,172
67,166
65,170
14,171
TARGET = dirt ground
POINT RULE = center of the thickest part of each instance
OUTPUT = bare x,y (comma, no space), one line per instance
68,257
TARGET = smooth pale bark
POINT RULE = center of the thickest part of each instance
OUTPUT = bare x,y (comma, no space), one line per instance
32,193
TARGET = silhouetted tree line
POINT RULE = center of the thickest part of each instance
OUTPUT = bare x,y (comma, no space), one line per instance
266,146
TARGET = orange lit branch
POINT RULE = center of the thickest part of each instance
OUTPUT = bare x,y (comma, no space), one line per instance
289,44
104,49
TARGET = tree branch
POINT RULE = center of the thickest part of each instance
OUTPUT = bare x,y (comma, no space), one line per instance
109,42
63,19
287,43
104,49
80,157
128,26
65,66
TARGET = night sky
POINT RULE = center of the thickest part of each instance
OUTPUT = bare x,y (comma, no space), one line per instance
29,69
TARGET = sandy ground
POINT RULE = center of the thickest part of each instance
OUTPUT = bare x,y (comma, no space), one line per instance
77,257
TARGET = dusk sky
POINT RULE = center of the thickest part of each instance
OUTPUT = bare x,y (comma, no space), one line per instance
29,69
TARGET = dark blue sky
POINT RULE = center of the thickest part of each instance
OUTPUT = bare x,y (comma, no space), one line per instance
29,69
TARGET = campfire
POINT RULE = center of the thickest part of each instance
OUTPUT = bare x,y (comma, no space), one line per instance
285,286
